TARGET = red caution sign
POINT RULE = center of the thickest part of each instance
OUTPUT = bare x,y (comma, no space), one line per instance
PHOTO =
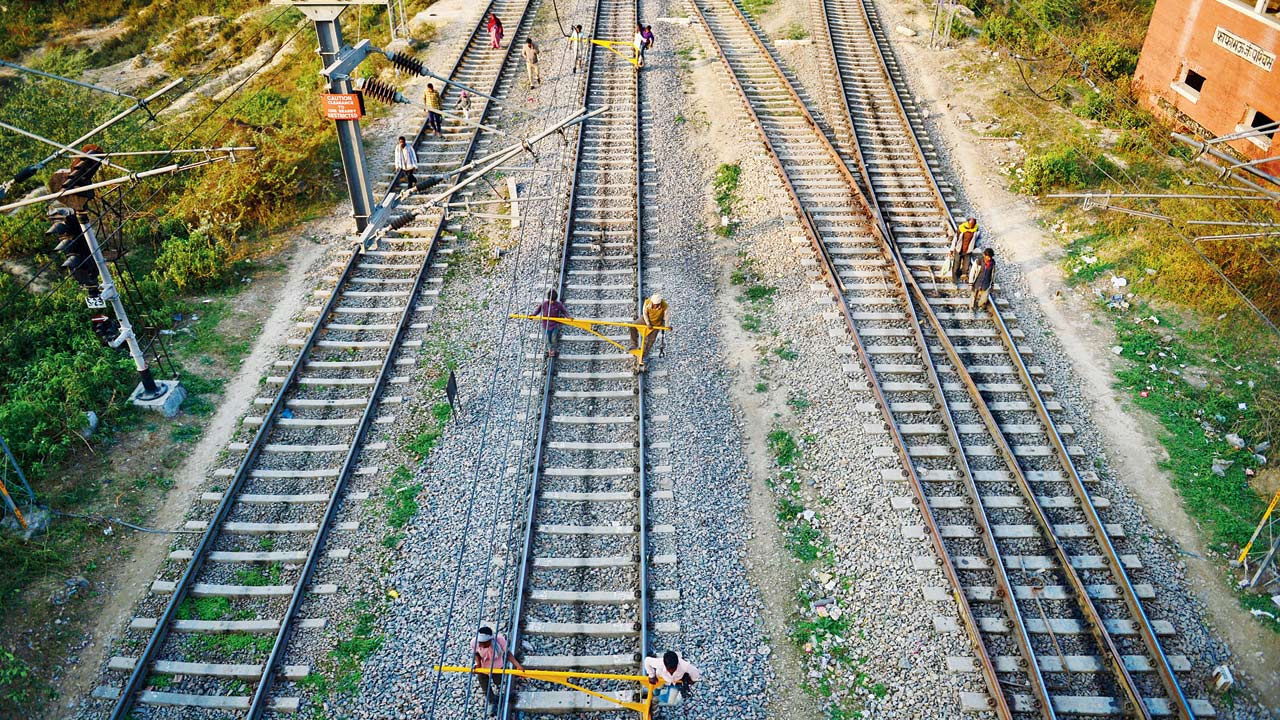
342,106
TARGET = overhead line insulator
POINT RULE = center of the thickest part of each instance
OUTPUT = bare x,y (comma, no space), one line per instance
380,91
406,62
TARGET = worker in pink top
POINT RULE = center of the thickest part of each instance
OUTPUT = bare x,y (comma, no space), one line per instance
491,653
674,670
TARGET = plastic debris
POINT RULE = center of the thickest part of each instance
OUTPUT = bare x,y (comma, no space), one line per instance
1118,282
1220,466
1235,441
1117,349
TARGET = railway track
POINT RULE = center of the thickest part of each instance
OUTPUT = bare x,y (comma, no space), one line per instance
582,601
224,610
1058,626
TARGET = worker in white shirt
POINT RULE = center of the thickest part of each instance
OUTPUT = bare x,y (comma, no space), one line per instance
674,670
407,161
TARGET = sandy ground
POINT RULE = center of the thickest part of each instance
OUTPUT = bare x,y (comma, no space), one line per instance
1132,446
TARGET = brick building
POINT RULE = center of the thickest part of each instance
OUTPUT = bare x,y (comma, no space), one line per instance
1211,65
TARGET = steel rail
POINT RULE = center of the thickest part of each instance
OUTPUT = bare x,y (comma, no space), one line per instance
544,421
831,276
1128,593
146,659
910,289
641,379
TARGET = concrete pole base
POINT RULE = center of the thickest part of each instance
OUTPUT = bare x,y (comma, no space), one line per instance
168,403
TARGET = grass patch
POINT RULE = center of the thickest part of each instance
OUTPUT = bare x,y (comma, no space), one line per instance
207,608
272,575
725,186
401,497
230,644
786,352
794,31
799,401
755,7
762,387
426,438
783,446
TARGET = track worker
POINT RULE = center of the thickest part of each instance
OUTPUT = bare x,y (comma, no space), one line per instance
982,276
407,161
963,246
464,105
490,651
530,54
654,314
431,99
579,40
495,30
638,45
551,308
674,670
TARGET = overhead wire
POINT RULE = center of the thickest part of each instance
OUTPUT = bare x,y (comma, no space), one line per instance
516,497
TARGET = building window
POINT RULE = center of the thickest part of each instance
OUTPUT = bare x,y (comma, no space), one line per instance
1261,122
1268,7
1189,85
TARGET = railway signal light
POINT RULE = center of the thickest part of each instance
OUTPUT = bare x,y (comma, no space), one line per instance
74,246
107,329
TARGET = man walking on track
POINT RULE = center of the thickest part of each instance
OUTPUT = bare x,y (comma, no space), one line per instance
435,106
982,276
530,54
407,161
579,40
962,247
495,30
653,314
490,650
639,46
551,308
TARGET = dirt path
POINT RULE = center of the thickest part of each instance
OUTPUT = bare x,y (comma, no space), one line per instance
1131,435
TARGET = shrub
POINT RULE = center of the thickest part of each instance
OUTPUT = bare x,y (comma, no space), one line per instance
1000,30
1108,57
1096,106
1056,168
192,262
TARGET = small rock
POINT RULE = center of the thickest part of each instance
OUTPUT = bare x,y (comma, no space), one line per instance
905,31
964,117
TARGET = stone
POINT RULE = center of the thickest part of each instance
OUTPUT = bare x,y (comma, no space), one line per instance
905,31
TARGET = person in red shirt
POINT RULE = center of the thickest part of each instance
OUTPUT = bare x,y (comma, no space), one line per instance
552,308
495,30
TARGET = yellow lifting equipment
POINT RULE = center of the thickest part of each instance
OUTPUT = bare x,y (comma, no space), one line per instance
589,325
644,707
612,46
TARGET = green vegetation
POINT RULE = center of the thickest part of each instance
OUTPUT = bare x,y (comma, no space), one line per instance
755,7
725,186
799,401
1202,364
794,31
341,671
784,448
426,438
401,502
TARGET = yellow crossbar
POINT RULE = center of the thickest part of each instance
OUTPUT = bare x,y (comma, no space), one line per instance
560,677
589,325
610,46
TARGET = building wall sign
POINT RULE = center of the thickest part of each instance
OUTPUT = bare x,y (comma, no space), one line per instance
1237,45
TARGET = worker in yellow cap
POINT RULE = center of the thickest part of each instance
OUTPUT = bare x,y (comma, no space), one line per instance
654,314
